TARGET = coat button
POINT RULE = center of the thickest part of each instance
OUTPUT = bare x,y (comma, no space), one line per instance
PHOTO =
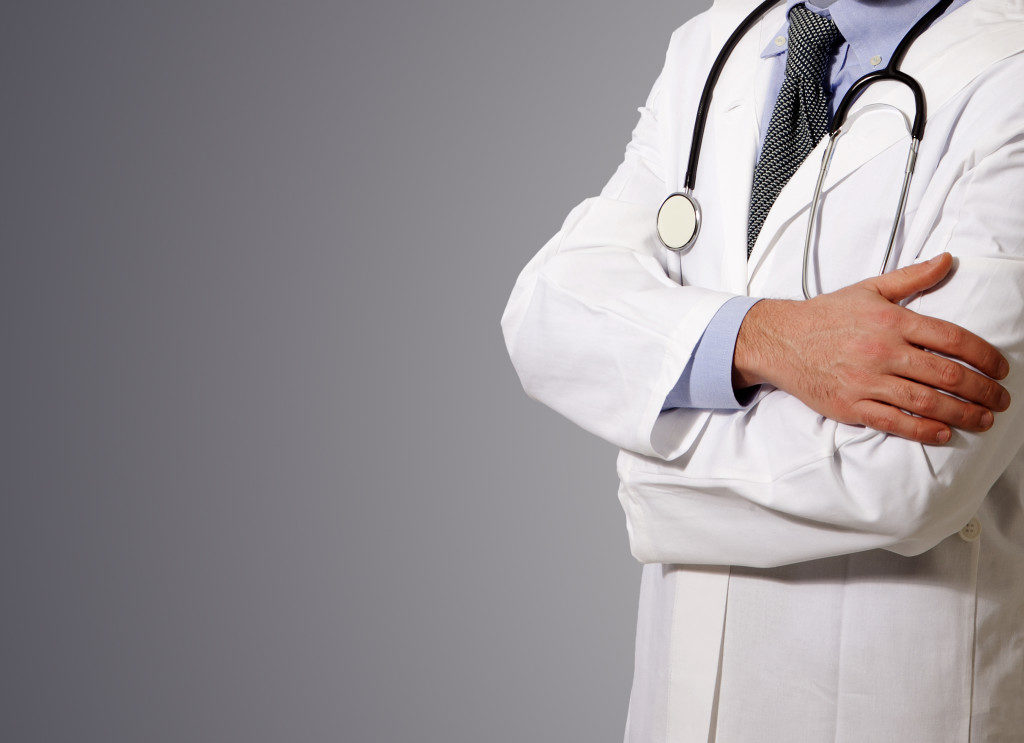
971,530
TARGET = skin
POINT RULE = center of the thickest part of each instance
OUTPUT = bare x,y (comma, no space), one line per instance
856,356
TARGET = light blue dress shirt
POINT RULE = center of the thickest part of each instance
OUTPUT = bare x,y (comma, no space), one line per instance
871,32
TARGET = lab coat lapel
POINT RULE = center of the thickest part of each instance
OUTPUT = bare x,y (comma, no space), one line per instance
735,140
945,59
733,126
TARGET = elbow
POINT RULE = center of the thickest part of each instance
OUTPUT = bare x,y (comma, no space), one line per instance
927,533
513,346
511,326
931,515
908,496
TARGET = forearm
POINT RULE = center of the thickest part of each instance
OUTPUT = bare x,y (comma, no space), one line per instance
781,483
598,332
595,327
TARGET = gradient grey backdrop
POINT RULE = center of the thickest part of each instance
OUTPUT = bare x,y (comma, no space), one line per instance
268,473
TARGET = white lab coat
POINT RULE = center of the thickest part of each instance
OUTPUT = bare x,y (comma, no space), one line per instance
804,580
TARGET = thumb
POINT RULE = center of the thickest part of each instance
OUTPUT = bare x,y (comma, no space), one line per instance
900,284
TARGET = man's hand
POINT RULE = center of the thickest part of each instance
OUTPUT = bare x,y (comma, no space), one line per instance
857,357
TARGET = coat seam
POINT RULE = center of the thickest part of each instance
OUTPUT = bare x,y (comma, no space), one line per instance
976,560
842,645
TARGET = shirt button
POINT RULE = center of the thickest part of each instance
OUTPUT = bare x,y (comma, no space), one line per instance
971,531
875,61
780,41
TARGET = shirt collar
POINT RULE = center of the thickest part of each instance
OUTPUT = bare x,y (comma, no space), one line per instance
872,29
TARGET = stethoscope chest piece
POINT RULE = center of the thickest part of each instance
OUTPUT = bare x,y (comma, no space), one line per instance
679,221
679,216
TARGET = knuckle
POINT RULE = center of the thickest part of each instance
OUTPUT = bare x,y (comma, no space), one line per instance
866,417
904,394
888,317
923,402
951,374
878,421
910,321
873,348
954,335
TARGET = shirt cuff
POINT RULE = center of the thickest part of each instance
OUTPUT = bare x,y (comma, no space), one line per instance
706,381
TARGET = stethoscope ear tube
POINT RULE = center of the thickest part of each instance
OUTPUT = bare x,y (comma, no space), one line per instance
863,83
812,218
700,121
679,217
908,174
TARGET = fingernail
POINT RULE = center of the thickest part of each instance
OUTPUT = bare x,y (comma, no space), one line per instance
1004,400
936,259
942,437
987,419
1004,368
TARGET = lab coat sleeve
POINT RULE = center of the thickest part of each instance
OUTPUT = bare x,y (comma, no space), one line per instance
778,483
594,326
706,382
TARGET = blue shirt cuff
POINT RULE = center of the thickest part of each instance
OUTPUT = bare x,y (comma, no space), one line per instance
706,381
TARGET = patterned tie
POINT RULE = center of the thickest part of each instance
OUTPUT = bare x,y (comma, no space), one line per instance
800,117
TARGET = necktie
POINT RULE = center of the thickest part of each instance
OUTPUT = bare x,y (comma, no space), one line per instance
800,117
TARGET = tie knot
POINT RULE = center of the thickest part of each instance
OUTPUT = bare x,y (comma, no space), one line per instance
812,38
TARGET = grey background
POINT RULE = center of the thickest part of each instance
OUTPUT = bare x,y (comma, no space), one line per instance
268,473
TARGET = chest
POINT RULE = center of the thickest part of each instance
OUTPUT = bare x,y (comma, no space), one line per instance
858,205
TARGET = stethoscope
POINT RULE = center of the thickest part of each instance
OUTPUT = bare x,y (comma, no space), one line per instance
679,217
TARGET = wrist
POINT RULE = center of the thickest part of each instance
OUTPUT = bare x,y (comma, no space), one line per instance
756,354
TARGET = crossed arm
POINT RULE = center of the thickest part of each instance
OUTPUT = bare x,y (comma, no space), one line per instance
586,330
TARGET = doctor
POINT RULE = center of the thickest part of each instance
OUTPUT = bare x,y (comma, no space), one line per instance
819,564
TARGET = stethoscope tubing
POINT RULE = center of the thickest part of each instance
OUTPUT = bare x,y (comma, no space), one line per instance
701,119
812,218
891,72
